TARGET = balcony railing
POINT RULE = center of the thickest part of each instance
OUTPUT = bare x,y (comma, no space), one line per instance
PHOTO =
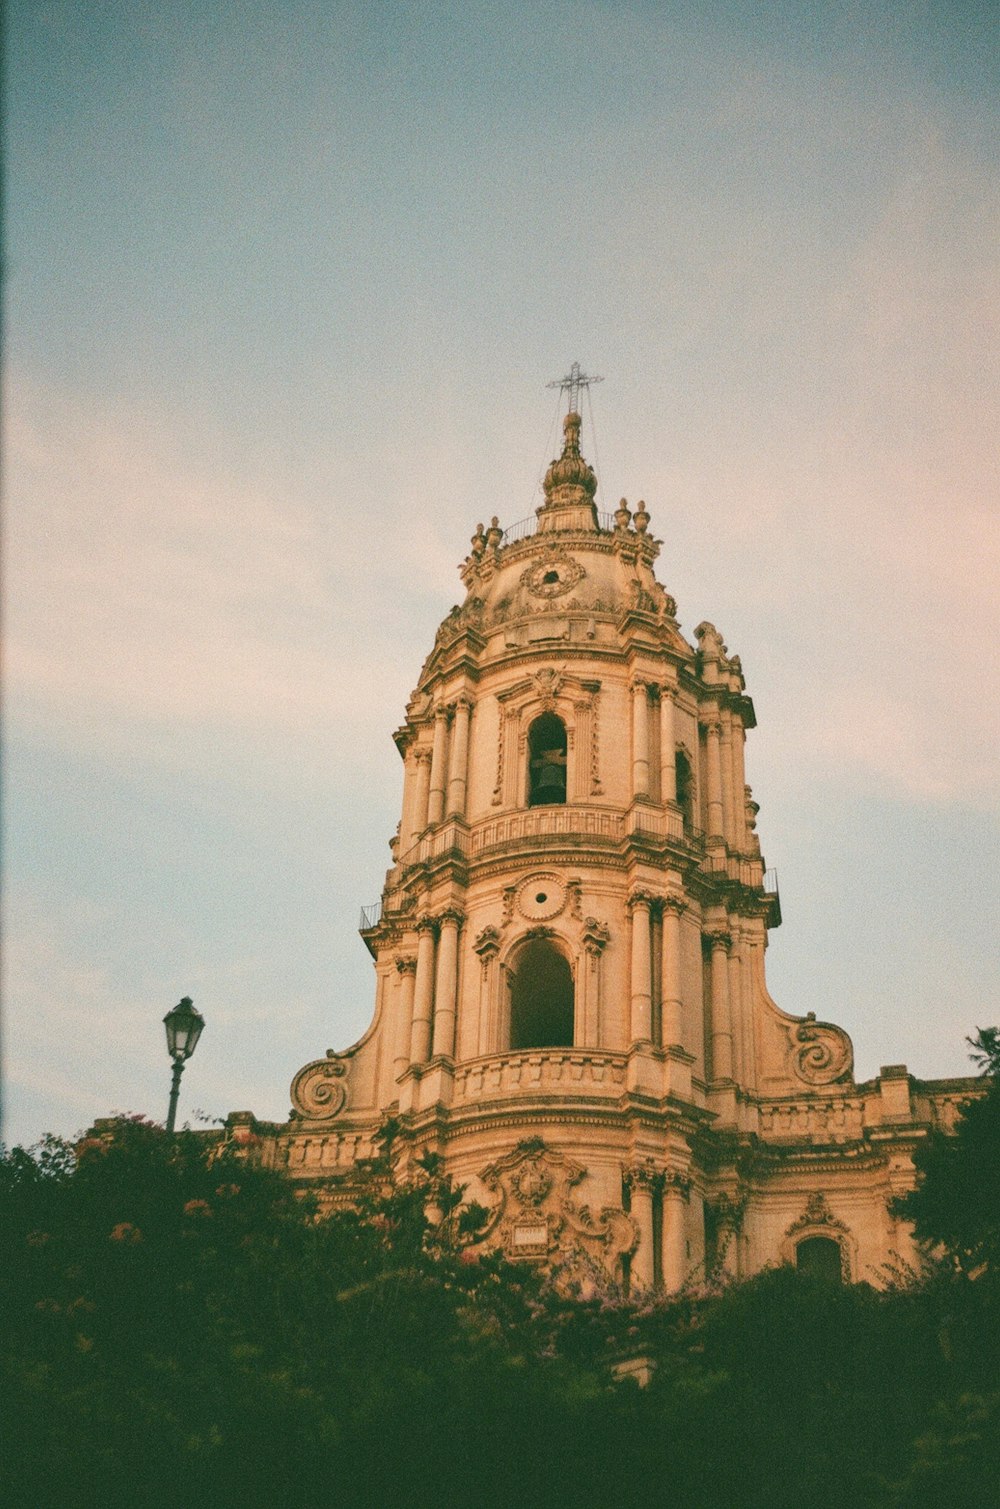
524,528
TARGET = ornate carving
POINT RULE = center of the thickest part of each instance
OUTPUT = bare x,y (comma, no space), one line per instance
534,1215
509,892
642,1175
596,937
574,891
816,1213
639,898
595,775
822,1053
540,897
710,641
547,682
487,944
406,964
317,1093
555,574
498,788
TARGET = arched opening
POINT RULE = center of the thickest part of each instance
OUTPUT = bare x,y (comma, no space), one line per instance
541,1002
685,789
820,1256
546,761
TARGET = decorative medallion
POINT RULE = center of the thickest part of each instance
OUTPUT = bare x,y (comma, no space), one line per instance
555,574
541,897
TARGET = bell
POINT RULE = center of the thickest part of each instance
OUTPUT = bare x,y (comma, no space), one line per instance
551,783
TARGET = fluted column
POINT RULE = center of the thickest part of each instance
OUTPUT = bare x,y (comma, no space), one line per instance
668,763
446,989
641,1180
420,795
713,734
739,785
458,773
640,739
722,1027
642,975
728,828
673,1011
423,994
407,968
736,1009
435,801
675,1259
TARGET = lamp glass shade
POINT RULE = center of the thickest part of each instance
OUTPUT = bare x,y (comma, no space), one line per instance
184,1026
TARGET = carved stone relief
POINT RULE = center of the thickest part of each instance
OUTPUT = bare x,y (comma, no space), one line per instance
535,1216
317,1093
821,1052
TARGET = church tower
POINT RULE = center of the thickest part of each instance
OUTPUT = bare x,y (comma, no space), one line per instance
571,1006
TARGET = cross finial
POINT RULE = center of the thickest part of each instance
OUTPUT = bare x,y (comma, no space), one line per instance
572,383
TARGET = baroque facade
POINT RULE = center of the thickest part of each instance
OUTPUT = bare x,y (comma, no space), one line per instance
571,1006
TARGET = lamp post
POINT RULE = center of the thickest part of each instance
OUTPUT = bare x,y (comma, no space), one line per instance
184,1026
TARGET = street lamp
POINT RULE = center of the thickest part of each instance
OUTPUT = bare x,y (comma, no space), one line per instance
184,1025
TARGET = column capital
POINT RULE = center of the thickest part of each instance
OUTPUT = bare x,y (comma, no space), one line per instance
426,923
443,710
675,904
596,936
640,898
422,756
712,727
406,964
450,914
677,1183
639,685
720,937
643,1174
487,943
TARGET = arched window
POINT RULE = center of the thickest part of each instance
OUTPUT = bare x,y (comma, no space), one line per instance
541,1003
546,761
685,789
820,1256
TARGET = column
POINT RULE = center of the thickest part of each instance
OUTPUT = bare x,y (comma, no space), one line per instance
675,1258
458,773
420,795
728,797
404,1021
736,1010
668,766
713,734
722,1028
739,785
640,1180
487,946
595,939
642,982
435,800
446,990
423,994
640,739
673,1011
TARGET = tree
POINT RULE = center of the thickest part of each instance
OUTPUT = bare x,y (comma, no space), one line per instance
955,1203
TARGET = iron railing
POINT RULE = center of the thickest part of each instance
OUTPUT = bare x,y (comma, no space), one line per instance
524,528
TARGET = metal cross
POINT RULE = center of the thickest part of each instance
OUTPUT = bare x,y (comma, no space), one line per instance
572,383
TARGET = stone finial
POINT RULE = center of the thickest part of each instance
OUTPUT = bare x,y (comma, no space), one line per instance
494,534
640,519
623,516
570,478
479,541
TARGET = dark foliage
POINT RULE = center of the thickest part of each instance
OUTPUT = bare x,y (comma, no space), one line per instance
180,1329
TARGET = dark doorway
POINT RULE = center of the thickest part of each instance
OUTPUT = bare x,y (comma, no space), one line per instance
820,1256
546,761
541,1004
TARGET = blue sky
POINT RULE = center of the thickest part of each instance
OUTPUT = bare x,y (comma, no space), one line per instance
284,288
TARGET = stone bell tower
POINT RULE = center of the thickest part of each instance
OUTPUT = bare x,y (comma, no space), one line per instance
569,951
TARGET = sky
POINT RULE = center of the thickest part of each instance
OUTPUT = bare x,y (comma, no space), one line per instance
284,288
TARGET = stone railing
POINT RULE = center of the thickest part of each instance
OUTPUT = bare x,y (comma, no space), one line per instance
559,1069
543,822
839,1119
